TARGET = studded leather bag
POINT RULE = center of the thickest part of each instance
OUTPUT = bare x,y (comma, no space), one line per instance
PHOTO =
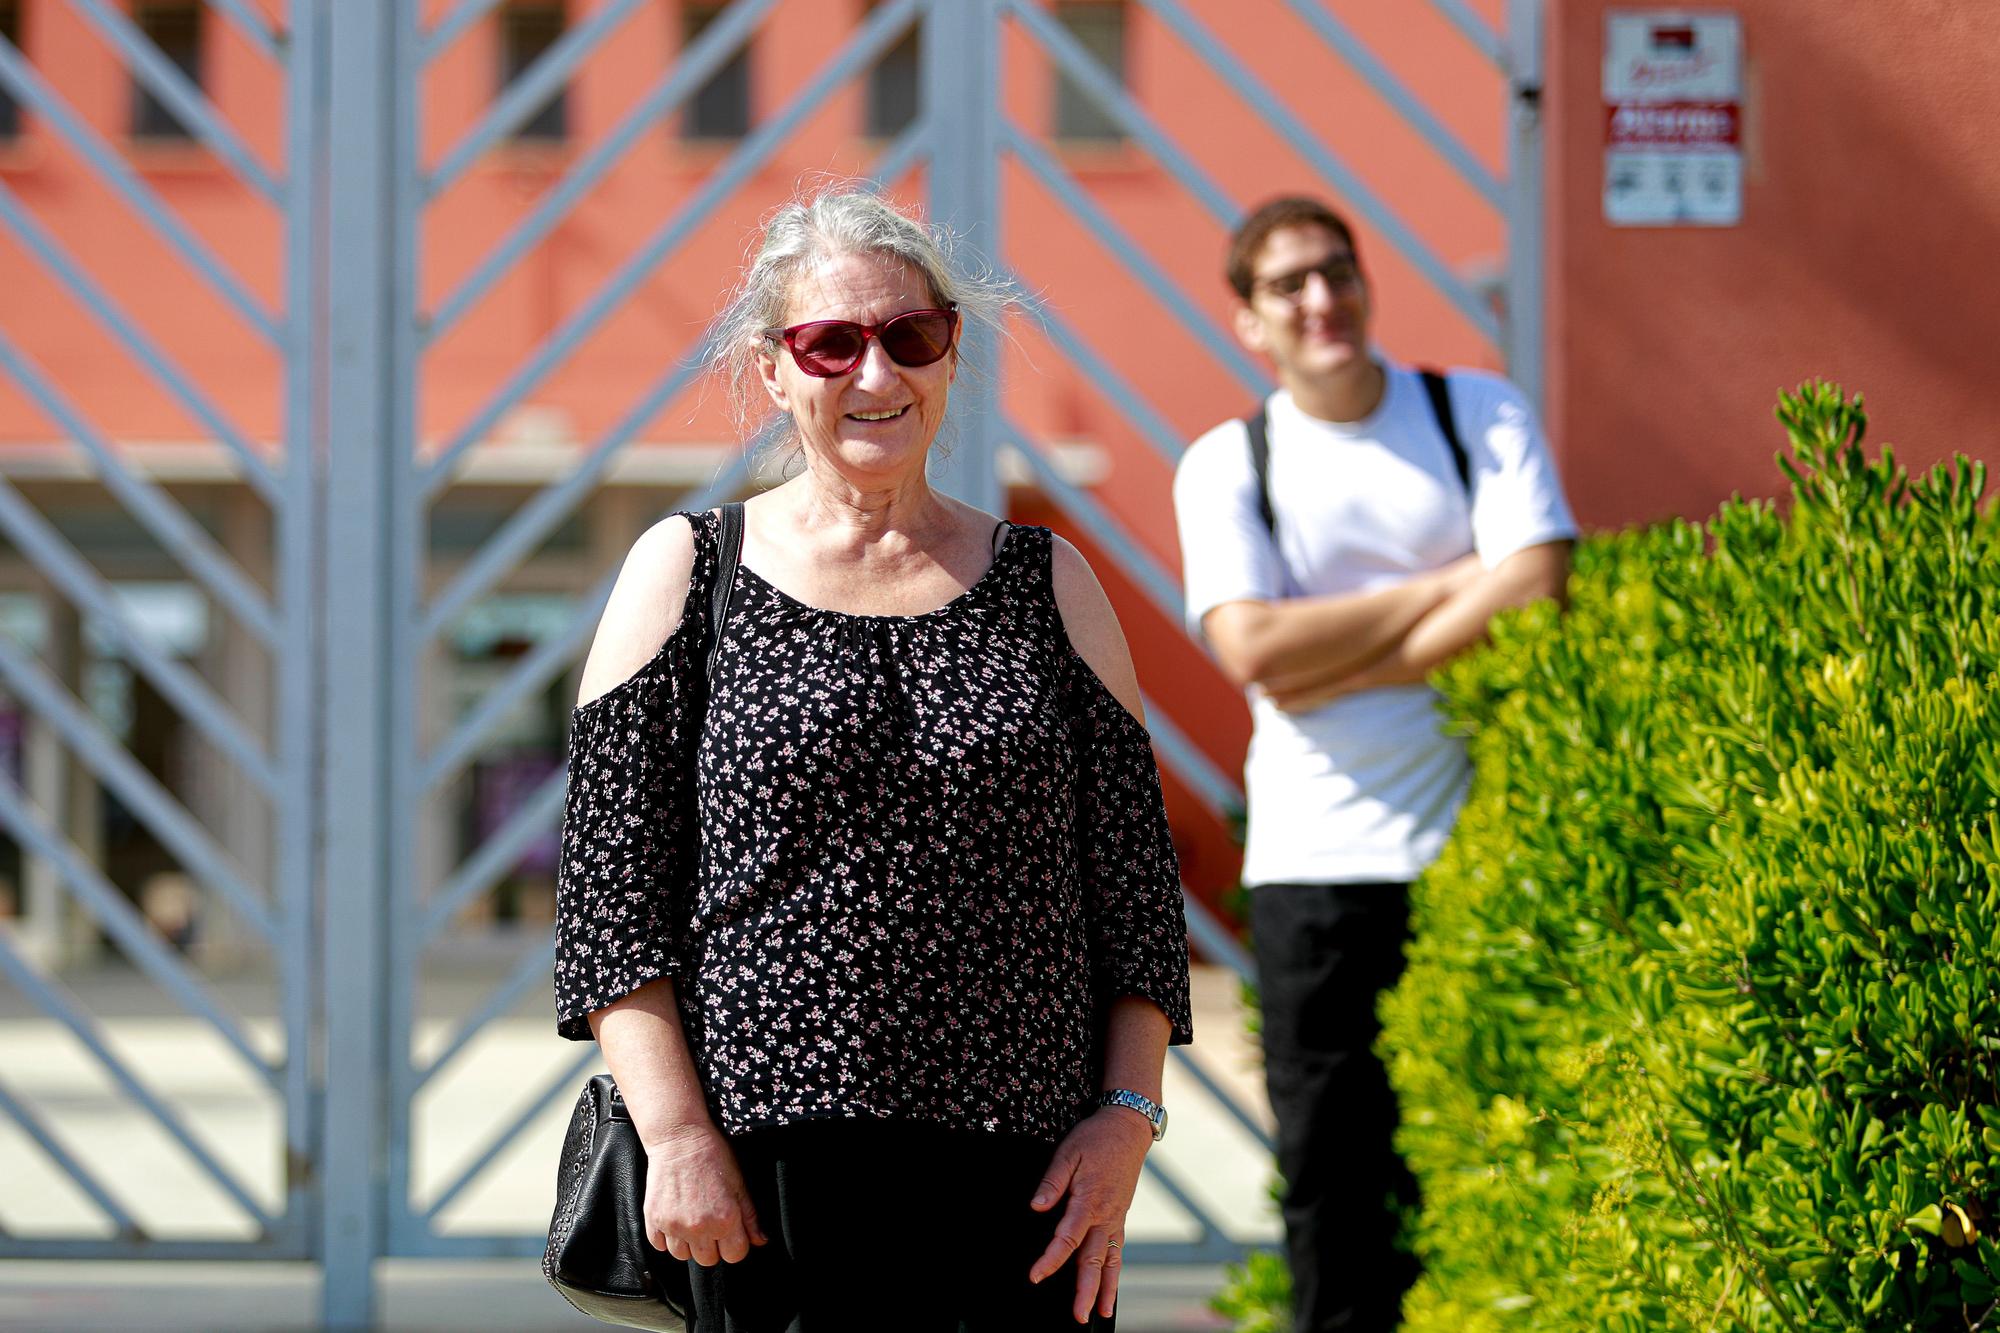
598,1256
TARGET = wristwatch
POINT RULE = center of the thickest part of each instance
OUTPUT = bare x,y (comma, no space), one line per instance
1145,1106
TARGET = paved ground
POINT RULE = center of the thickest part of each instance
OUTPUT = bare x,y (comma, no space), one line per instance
234,1116
489,1296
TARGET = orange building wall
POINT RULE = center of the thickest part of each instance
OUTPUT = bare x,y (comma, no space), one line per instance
1869,253
595,388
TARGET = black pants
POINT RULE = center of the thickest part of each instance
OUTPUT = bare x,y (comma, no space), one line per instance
879,1227
1324,953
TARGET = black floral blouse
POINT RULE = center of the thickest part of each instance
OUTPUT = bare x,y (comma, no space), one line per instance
898,866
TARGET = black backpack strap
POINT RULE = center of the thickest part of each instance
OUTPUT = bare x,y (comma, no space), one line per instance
728,555
1439,393
1258,423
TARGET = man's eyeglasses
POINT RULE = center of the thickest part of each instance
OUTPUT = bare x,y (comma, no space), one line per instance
828,348
1340,273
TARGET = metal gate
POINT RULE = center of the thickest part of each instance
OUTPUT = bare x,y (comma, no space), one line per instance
249,710
440,479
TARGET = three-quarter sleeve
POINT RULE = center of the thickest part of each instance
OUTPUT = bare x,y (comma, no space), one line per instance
1132,880
630,844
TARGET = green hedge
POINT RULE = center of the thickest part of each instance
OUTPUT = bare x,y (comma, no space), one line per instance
1700,1029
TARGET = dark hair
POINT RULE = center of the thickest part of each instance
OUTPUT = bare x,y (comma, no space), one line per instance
1290,210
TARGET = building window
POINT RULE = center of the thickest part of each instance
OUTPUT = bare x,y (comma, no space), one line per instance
894,90
10,110
721,108
175,28
526,31
1100,27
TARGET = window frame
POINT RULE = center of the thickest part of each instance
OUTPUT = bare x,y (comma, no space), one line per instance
1075,121
150,120
695,19
549,125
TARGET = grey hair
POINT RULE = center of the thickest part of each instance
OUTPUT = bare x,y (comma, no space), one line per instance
840,217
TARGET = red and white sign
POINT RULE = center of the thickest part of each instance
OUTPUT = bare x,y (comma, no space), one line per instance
1673,115
1673,125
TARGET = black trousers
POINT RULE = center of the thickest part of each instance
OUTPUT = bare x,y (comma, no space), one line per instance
881,1227
1324,953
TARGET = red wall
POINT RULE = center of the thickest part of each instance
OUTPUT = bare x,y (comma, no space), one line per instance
1869,253
1079,279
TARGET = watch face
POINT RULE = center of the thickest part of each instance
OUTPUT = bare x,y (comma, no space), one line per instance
1160,1127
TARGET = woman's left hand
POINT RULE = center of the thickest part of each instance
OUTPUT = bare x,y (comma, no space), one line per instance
1097,1166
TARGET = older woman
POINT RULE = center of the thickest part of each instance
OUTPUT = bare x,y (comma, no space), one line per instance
873,911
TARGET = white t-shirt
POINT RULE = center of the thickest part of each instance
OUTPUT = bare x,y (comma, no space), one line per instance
1364,788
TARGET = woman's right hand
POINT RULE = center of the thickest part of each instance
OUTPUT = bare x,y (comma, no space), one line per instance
697,1206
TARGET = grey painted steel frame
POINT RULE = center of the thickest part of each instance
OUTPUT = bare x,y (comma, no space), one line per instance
370,436
282,921
1525,204
368,1049
412,924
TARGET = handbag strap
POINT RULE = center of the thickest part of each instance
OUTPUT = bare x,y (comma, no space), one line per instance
729,554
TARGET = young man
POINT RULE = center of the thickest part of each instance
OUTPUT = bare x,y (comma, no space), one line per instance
1370,552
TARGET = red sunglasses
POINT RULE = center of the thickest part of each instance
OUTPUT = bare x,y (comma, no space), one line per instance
826,348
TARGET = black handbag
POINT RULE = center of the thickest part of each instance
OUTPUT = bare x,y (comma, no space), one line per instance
598,1256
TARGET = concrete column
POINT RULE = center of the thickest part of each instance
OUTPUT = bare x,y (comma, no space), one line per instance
226,801
54,931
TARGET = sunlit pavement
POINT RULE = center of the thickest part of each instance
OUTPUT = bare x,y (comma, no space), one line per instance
235,1117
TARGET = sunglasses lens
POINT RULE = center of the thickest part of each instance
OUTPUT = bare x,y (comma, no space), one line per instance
831,348
918,338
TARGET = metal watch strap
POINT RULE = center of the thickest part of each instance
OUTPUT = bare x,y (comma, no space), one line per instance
1144,1105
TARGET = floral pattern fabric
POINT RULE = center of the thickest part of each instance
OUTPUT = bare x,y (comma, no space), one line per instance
898,866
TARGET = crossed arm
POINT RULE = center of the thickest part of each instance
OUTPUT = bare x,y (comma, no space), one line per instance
1304,652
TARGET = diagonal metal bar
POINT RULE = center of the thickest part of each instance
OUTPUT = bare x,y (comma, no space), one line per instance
54,1000
912,146
543,663
529,525
1135,261
1102,376
121,921
251,24
563,1082
524,97
157,513
1472,27
1203,44
1214,940
70,573
1158,585
1217,794
874,35
550,656
533,969
1378,76
165,81
126,330
1165,1177
1101,88
1193,1068
26,84
698,63
136,789
17,1111
453,26
495,857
